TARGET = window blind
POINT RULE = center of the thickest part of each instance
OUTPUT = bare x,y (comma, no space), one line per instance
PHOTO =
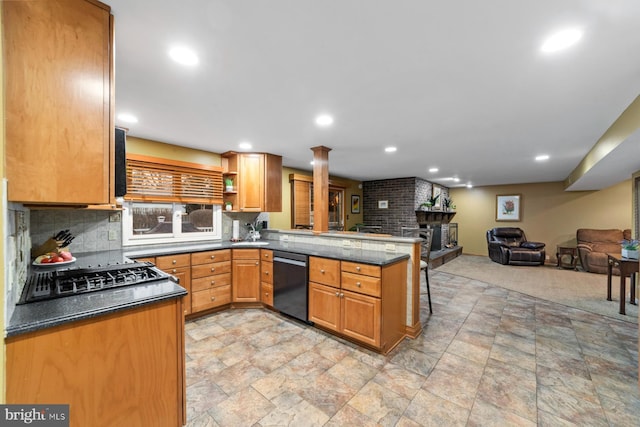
162,180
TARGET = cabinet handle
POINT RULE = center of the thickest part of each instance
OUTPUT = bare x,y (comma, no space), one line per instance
174,270
266,272
213,282
266,294
174,261
213,269
358,284
213,298
341,295
257,263
213,256
338,294
322,271
358,268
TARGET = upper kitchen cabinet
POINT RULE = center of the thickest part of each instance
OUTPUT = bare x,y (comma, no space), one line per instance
253,181
58,65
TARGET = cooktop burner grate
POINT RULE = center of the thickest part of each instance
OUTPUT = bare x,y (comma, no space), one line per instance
48,285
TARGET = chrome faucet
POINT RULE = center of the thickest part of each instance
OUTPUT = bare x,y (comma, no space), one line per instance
253,233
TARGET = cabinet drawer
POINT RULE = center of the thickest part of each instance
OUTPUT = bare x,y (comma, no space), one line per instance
266,254
266,272
171,261
323,270
210,256
210,282
246,254
359,268
360,283
204,270
152,260
266,293
210,298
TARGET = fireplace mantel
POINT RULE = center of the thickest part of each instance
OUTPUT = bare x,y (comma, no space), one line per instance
434,217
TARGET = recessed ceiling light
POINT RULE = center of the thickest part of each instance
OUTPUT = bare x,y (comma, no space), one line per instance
433,170
391,149
456,179
128,118
542,158
245,145
324,120
469,185
184,55
561,40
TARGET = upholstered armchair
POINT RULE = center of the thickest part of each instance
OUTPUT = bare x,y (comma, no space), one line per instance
594,244
509,245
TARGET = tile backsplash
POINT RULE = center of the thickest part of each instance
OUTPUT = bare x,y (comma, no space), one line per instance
91,228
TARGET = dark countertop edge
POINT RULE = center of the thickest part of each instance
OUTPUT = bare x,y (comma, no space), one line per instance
380,258
88,314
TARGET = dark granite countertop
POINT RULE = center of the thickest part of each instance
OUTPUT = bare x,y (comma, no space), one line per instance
380,258
45,314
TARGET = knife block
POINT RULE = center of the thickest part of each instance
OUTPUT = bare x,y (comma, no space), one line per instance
51,245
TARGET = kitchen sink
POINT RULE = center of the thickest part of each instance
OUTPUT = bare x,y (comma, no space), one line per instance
256,243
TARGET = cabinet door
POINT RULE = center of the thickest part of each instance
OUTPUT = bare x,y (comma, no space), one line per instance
184,276
246,280
361,317
57,57
324,306
251,185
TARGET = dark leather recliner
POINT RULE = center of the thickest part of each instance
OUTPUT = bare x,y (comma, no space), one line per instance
509,245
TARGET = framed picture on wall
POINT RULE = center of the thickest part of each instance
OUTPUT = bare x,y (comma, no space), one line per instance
508,207
355,204
437,191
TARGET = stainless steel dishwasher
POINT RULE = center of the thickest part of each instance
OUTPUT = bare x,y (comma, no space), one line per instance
290,284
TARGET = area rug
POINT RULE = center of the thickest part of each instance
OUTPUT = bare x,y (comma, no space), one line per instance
578,289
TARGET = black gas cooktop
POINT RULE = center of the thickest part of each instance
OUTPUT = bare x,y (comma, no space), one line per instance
48,285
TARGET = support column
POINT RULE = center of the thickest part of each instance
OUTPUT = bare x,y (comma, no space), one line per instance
320,189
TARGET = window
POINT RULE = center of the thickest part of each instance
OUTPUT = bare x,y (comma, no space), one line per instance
146,222
169,201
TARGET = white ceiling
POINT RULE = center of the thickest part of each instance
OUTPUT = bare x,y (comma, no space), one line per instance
458,85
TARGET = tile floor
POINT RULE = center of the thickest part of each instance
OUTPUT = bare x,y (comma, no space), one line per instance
486,357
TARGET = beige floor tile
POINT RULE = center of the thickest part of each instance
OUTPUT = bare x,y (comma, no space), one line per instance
379,403
429,410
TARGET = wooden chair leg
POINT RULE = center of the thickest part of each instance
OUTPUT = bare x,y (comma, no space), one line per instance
426,273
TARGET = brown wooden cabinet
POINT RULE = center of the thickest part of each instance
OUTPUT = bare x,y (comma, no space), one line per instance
121,369
178,265
210,279
257,181
363,302
245,275
266,277
58,58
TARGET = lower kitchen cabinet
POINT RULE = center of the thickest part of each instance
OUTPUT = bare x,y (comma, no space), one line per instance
210,279
121,369
362,302
178,265
245,275
266,277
